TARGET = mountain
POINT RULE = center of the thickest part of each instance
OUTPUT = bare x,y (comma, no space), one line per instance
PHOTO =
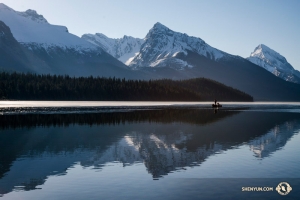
275,63
52,49
124,49
14,57
169,54
162,45
12,54
43,48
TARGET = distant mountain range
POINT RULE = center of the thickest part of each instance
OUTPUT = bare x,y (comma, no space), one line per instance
165,44
31,44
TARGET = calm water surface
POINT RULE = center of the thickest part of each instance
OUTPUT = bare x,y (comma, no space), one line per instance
163,150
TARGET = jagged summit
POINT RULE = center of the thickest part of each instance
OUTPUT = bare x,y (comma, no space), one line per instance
159,25
99,35
159,48
275,63
159,28
124,49
264,52
33,15
162,45
127,37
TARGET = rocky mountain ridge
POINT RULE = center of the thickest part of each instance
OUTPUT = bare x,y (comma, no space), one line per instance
275,63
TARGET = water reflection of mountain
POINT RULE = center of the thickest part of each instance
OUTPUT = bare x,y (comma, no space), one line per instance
273,140
36,146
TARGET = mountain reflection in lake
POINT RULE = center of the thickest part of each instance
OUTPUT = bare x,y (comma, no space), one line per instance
156,144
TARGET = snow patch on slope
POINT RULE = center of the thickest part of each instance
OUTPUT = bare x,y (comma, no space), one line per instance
174,62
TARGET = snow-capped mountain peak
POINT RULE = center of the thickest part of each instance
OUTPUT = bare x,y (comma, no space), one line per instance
31,28
34,16
160,27
162,45
275,63
269,55
31,14
124,49
50,49
4,7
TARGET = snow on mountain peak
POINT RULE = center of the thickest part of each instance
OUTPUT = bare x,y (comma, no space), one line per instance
4,7
31,28
124,48
162,44
31,14
264,52
275,63
34,16
100,35
270,57
160,26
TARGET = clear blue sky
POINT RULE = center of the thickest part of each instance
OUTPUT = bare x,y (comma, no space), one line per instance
234,26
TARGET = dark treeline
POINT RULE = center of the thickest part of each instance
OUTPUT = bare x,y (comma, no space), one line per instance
209,89
15,86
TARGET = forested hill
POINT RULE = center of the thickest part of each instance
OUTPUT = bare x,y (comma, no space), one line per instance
46,87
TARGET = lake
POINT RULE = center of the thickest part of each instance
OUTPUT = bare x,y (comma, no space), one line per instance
148,150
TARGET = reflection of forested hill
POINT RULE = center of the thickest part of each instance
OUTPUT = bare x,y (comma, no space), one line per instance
164,140
193,116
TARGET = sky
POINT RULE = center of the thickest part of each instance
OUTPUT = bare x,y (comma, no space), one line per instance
233,26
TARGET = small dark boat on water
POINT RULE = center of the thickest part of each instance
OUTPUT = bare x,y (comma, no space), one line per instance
216,105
